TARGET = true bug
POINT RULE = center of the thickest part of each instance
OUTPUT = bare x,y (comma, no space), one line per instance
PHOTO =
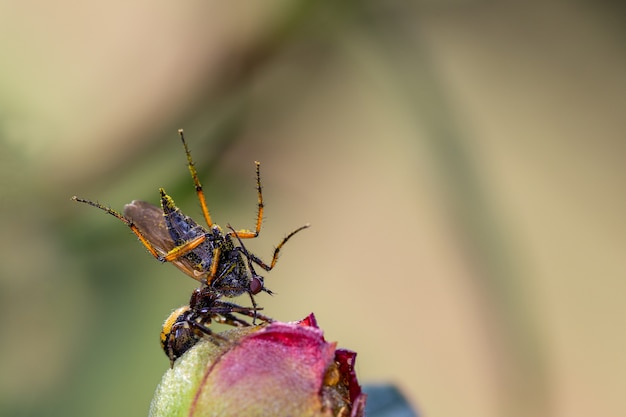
208,255
187,325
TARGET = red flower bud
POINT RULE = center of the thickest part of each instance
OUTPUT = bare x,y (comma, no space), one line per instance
279,369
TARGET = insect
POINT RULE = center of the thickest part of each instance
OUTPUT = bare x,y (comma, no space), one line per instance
189,324
222,265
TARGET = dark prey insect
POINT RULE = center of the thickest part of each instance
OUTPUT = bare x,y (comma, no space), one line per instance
189,324
208,255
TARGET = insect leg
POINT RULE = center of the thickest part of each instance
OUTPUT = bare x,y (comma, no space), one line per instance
251,313
204,329
224,307
252,257
214,264
128,223
196,181
249,234
184,249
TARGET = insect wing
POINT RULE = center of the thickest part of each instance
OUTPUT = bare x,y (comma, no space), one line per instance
151,223
149,219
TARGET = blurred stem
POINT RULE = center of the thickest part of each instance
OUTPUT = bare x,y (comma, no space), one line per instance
523,378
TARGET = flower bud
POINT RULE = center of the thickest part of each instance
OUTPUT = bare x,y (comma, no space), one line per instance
277,369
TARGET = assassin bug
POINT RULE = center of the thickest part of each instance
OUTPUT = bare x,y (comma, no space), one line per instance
208,255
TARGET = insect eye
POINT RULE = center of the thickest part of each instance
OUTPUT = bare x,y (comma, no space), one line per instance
256,285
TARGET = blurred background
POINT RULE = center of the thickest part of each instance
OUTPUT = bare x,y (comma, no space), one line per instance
461,164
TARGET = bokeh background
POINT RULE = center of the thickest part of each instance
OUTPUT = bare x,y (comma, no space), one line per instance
462,164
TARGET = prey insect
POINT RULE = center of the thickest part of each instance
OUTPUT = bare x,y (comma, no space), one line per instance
208,255
215,258
189,324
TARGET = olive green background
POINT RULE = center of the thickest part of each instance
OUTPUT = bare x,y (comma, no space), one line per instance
461,164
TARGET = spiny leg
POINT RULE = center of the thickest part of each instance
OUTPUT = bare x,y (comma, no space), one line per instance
248,234
128,223
184,249
231,320
196,181
253,314
277,249
252,257
223,308
224,316
244,234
